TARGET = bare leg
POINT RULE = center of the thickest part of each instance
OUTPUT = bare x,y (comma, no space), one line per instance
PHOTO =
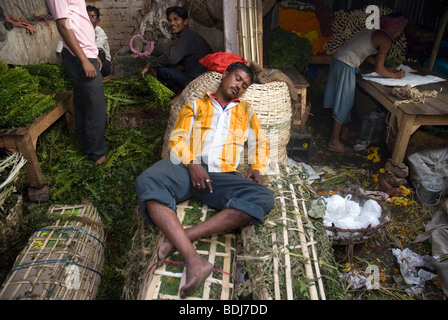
197,269
225,220
335,137
335,144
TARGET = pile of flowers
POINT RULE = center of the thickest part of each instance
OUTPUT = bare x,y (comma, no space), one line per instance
305,24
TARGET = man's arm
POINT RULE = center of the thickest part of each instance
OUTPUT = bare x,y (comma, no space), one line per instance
72,43
199,177
383,43
258,149
175,54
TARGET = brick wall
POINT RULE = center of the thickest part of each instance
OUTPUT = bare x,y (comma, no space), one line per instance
119,19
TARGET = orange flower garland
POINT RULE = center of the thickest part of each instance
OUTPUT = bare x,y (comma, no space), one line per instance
305,24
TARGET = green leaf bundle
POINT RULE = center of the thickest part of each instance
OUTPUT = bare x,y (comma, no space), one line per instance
20,99
286,49
52,77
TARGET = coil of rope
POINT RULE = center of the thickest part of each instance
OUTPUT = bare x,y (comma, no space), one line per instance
409,94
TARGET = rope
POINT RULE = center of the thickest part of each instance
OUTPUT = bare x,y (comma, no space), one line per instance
409,94
51,261
141,54
72,229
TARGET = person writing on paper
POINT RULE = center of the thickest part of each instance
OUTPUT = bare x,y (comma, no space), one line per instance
367,45
206,145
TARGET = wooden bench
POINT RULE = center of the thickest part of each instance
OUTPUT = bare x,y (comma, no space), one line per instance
299,119
24,139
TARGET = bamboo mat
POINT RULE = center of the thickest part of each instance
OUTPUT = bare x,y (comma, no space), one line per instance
164,282
286,238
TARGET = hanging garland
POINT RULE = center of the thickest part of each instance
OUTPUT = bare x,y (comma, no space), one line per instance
141,54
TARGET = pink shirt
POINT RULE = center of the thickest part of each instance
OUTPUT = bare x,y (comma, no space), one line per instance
76,13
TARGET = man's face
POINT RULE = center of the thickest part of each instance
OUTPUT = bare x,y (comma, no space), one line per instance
93,18
234,84
175,23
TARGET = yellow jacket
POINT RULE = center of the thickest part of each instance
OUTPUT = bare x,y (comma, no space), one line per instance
206,131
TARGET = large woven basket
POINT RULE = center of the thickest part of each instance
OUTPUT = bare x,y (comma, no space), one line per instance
271,101
350,237
62,261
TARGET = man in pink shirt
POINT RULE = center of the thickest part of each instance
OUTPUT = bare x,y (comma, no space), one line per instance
80,60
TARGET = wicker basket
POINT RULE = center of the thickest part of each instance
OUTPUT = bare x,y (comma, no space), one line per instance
271,101
61,262
350,237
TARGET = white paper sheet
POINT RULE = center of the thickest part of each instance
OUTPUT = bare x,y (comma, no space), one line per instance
410,78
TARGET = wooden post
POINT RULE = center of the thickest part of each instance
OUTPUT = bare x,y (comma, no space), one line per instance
230,15
435,49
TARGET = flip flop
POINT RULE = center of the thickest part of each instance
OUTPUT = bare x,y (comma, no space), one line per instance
340,148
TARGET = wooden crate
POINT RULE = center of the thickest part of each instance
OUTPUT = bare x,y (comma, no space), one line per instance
165,282
61,262
300,114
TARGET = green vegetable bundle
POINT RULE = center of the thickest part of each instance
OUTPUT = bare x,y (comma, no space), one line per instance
286,49
52,77
147,94
20,99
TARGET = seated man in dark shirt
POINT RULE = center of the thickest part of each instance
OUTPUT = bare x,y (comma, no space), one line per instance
180,64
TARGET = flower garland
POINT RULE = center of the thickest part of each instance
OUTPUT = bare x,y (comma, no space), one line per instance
141,54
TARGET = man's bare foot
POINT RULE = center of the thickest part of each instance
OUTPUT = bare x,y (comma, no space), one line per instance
196,275
165,250
101,160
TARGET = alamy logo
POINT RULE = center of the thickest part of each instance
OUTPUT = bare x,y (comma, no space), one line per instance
373,20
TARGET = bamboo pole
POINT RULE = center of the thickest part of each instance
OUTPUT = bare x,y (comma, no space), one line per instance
288,278
307,263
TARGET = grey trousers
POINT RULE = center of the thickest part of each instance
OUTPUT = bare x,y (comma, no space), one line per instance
90,106
169,184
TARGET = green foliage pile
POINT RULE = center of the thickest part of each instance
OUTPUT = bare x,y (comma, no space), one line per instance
286,49
52,77
146,94
74,179
20,99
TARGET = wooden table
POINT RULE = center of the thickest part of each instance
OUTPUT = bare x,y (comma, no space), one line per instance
299,119
409,116
23,140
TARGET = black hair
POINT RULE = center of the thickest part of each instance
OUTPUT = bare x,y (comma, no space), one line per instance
239,65
92,8
182,12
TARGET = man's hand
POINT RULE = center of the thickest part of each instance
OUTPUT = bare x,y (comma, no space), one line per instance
399,74
100,63
145,70
199,177
89,69
256,176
